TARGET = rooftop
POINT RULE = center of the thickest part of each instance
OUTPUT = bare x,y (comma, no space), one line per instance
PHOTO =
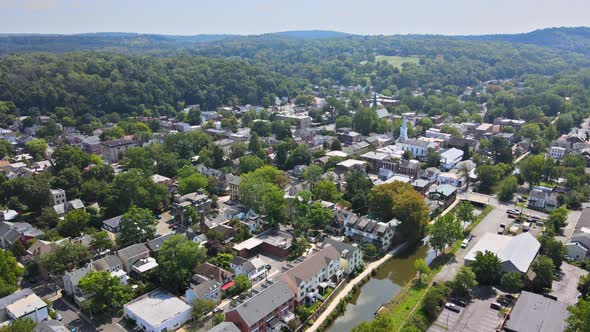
518,250
265,302
536,313
157,306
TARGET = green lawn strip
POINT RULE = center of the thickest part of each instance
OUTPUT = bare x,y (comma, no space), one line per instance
397,61
401,308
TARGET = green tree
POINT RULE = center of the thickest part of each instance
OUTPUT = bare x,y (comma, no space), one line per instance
134,187
553,249
319,216
336,145
365,121
250,163
67,256
20,325
10,273
74,223
137,225
370,250
464,212
531,168
579,319
343,122
192,183
101,241
222,260
512,282
201,307
36,148
422,268
434,300
326,190
70,180
445,230
487,268
557,219
108,291
432,158
313,173
242,284
543,268
176,261
137,157
507,189
584,285
6,149
464,281
299,247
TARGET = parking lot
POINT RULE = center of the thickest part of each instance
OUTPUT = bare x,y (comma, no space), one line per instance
476,317
565,287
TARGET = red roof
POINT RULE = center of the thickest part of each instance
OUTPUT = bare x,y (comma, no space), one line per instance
227,285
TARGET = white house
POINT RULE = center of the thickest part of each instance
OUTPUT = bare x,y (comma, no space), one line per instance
208,289
22,304
449,178
417,147
254,268
450,158
557,152
323,266
158,311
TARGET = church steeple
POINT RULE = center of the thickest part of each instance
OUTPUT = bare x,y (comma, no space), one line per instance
403,131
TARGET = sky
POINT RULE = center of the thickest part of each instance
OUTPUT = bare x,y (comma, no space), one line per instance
367,17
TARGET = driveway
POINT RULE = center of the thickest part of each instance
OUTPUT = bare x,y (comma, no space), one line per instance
163,223
565,289
476,317
71,317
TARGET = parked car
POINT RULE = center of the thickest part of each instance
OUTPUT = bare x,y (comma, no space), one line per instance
501,229
58,317
453,307
512,216
526,226
465,242
495,306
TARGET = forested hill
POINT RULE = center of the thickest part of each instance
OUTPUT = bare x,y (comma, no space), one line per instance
567,39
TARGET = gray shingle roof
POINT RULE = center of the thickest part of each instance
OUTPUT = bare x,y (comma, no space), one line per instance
133,250
113,222
342,247
534,312
156,244
107,262
225,327
262,304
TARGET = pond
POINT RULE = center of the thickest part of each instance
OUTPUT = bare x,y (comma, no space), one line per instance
389,280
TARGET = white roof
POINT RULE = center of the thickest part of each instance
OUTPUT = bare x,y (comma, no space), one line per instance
519,250
350,162
26,305
157,307
336,154
451,154
248,244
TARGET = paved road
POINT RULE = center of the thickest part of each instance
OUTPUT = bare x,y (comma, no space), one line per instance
163,224
71,317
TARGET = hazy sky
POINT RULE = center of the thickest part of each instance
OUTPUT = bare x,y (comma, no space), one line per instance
189,17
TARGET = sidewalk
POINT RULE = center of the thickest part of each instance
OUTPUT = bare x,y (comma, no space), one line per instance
348,288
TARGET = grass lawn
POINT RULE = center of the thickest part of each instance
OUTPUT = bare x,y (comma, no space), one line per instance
397,61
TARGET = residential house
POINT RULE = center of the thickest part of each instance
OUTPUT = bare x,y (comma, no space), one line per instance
113,149
265,311
443,195
274,242
449,158
542,197
225,327
58,196
158,311
366,230
50,326
350,255
451,178
198,200
63,208
233,182
22,304
341,217
255,268
305,278
8,235
132,254
578,247
112,225
350,165
209,289
557,152
91,144
156,244
210,271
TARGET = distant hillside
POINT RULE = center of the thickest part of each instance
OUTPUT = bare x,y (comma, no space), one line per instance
311,34
567,39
